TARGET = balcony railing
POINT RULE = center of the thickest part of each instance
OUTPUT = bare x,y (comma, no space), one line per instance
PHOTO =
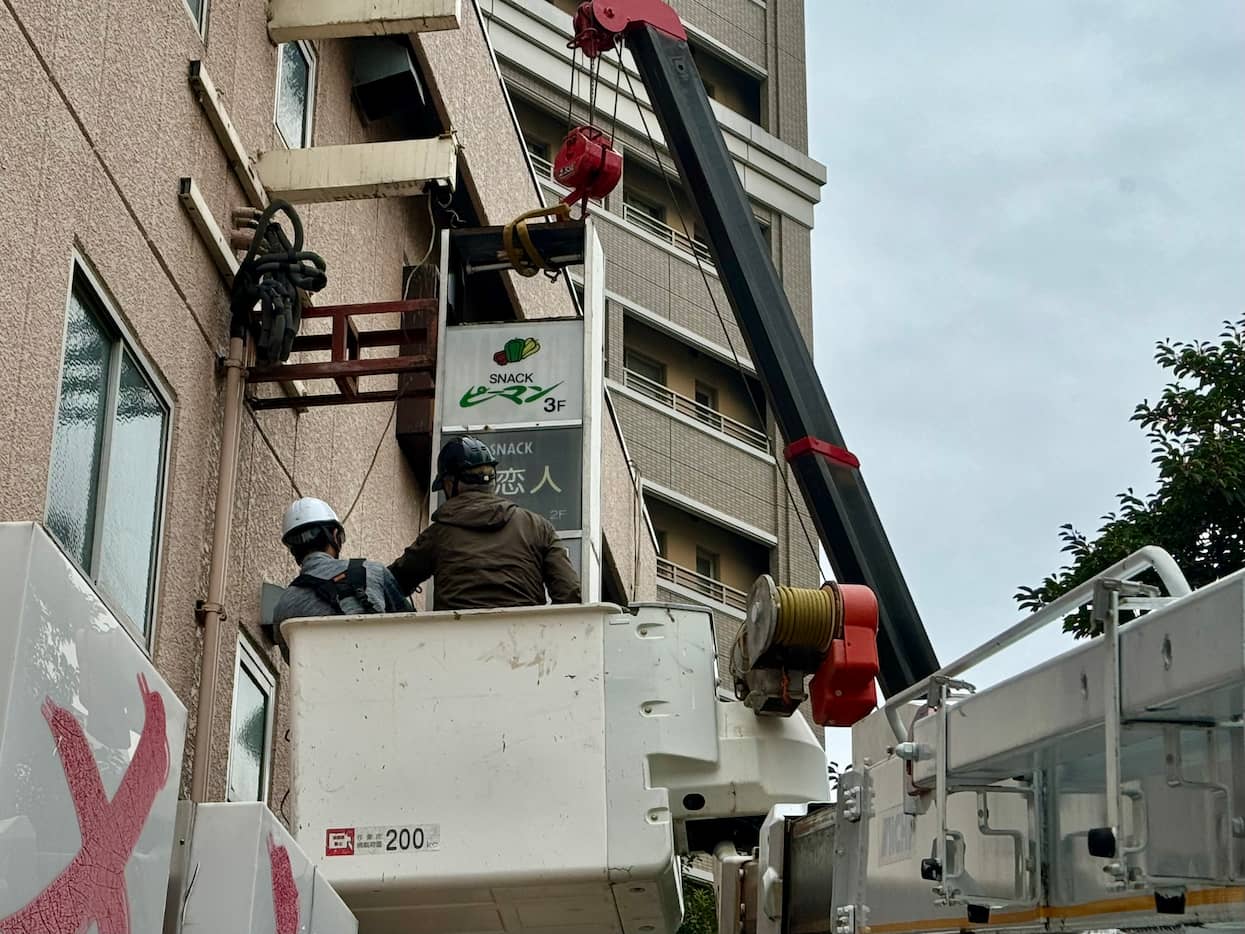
710,418
544,168
638,218
713,589
664,231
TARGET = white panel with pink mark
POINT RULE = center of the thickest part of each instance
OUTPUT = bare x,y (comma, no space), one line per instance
246,873
91,744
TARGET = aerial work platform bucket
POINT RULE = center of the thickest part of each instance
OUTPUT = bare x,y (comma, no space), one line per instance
492,771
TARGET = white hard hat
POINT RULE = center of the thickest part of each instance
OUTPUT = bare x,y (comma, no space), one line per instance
305,512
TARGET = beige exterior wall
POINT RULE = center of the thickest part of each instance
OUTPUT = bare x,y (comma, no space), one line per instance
100,125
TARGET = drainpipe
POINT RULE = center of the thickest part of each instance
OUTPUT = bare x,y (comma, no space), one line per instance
212,610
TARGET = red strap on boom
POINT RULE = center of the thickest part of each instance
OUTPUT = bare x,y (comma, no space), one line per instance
824,448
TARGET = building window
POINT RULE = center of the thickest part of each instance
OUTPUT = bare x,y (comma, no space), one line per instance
728,84
708,564
661,543
646,206
296,90
766,232
109,456
706,397
538,148
250,731
650,369
198,10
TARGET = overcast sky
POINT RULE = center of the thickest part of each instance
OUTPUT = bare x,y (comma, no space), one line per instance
1023,197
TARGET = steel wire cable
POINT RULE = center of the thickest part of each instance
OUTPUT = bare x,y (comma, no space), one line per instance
782,472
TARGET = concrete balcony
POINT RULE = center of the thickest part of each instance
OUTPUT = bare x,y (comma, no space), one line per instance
711,418
667,234
713,590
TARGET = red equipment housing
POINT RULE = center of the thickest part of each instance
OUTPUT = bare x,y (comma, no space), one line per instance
842,692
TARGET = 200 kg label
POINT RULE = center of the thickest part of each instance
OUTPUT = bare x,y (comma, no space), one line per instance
385,841
401,839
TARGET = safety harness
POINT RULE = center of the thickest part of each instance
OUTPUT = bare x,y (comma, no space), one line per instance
352,582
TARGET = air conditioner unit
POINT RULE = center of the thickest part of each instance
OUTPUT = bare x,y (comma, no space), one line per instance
385,78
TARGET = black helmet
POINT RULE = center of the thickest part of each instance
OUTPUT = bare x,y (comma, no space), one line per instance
461,454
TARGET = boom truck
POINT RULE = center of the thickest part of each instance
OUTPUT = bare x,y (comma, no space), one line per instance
563,764
555,770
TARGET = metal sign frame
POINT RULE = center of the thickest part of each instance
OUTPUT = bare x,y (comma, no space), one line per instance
593,320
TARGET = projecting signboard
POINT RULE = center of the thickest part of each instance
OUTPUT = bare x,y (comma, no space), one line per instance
533,392
511,374
540,470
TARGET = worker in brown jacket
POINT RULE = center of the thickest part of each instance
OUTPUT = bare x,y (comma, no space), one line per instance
482,551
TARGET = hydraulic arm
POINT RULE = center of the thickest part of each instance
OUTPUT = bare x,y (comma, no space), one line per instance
827,474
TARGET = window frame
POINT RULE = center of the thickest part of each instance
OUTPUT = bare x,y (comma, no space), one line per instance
715,564
533,144
248,658
309,52
101,304
201,22
649,207
630,354
699,388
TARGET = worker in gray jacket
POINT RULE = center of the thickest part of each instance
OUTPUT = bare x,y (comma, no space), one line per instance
327,584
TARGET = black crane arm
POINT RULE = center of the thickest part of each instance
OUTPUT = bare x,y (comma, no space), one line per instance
828,476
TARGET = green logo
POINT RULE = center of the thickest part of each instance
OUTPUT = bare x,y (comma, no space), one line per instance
519,395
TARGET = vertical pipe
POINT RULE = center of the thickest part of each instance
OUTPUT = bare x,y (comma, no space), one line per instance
213,606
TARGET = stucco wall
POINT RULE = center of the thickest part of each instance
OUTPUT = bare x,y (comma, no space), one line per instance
468,90
100,125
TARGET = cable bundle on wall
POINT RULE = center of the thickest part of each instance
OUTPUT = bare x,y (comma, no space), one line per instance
272,275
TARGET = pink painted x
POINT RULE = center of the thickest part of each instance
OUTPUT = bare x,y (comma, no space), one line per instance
284,889
92,887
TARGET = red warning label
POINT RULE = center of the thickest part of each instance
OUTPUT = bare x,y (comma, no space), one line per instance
339,842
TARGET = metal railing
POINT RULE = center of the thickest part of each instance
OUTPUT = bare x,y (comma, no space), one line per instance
710,418
713,589
638,218
544,168
664,231
1143,559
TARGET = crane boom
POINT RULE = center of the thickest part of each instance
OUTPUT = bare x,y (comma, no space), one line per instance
828,476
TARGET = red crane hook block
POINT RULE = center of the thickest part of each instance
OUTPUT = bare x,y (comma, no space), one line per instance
587,164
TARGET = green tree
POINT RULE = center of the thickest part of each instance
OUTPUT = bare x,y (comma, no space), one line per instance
1197,511
700,912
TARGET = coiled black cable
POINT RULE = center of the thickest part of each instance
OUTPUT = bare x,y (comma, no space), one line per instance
271,276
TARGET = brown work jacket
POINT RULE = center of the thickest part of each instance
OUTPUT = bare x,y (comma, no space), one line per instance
484,552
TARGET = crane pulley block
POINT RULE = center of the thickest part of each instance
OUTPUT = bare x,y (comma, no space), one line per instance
600,24
587,164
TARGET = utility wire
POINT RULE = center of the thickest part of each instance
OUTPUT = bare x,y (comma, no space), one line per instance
393,410
273,451
782,472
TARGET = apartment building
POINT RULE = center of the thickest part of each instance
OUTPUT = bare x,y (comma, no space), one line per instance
692,411
116,315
